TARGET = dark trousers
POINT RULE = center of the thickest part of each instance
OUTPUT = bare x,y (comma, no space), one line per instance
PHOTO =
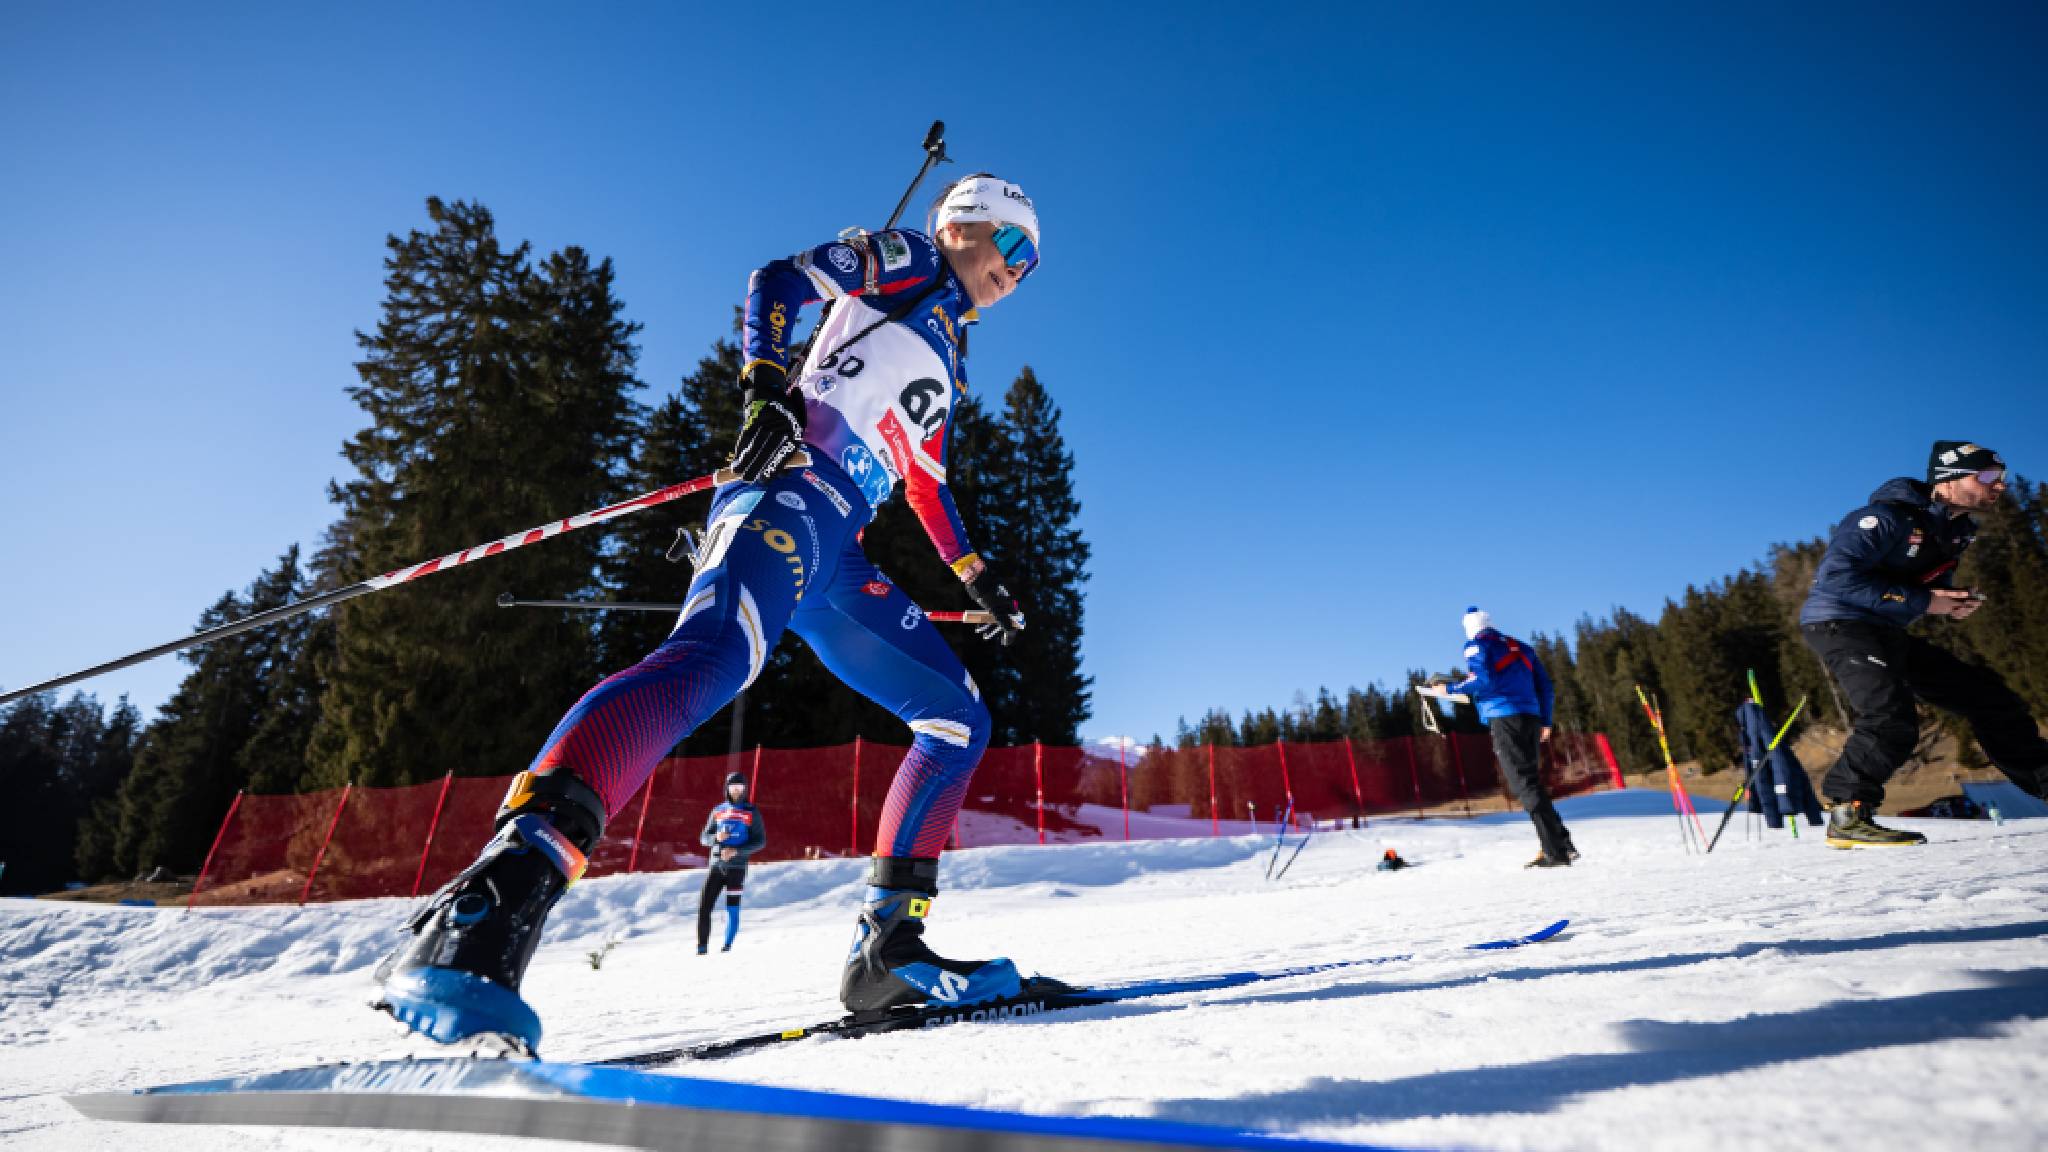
717,878
1518,745
1881,670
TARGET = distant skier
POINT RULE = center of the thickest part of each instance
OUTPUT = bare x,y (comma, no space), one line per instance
781,551
733,832
1888,564
1514,696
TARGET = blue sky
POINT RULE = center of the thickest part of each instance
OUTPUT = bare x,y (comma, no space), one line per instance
1358,313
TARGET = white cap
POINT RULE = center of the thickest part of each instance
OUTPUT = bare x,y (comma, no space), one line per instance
1476,622
991,198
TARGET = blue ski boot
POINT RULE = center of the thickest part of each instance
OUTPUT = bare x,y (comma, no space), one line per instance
457,979
890,964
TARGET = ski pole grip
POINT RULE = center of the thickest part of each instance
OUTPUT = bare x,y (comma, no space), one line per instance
797,459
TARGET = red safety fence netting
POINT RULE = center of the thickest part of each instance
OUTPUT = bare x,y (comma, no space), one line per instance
351,843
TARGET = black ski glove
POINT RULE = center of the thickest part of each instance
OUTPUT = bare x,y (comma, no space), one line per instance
988,591
773,427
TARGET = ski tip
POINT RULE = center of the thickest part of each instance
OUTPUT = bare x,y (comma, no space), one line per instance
1536,937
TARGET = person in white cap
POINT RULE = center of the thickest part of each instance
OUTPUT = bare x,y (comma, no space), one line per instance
870,405
1508,683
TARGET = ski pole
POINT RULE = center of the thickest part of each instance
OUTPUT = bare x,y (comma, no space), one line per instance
1670,767
507,600
934,153
405,575
1280,838
1756,771
1297,851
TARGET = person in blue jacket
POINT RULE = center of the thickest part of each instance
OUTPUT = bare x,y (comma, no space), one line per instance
733,833
1889,563
1513,692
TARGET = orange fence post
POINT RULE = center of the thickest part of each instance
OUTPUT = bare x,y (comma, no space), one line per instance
1286,781
432,825
1214,828
853,837
217,838
1607,754
322,853
640,825
1038,776
1357,793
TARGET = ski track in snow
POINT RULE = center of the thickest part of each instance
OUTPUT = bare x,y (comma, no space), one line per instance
1750,999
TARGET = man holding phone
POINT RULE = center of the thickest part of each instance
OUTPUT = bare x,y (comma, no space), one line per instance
1888,564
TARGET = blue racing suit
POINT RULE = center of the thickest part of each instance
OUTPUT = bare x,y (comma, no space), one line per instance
785,553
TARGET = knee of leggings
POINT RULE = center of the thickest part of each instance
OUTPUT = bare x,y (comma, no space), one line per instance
964,728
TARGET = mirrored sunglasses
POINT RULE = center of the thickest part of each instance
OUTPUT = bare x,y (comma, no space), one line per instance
1016,247
1990,476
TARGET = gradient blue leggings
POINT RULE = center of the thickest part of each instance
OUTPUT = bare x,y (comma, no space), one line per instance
785,554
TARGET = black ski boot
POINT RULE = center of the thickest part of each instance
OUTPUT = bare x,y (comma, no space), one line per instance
1850,825
458,977
890,964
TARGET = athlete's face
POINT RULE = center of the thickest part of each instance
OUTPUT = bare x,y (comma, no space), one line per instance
975,259
736,792
1972,493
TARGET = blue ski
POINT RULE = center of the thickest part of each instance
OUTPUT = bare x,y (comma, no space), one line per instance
1039,997
639,1109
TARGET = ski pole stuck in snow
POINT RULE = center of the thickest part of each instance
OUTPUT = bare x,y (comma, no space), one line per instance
404,575
1757,769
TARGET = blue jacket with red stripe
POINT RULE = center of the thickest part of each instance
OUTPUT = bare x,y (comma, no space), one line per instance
1506,678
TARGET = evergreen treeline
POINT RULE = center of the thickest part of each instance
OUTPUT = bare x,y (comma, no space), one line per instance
499,393
1695,657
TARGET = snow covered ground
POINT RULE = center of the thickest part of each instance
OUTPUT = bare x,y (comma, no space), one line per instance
1760,997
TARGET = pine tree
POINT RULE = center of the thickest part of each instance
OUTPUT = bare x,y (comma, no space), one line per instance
59,761
499,397
1029,499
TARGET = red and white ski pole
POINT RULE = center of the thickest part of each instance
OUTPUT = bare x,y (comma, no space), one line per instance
507,600
404,575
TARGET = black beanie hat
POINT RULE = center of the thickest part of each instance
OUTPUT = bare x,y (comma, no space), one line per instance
732,778
1951,459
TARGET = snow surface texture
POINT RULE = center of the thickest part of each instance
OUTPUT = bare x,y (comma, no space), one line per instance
1749,999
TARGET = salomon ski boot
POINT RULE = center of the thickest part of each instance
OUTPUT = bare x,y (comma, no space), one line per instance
891,965
457,979
1850,825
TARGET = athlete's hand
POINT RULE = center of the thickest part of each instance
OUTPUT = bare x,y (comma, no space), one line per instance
1953,603
727,853
774,424
1545,738
988,591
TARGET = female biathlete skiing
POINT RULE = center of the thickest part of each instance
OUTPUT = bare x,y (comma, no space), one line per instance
781,550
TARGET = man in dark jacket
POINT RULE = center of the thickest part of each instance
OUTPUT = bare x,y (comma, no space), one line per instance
1888,564
733,833
1514,697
